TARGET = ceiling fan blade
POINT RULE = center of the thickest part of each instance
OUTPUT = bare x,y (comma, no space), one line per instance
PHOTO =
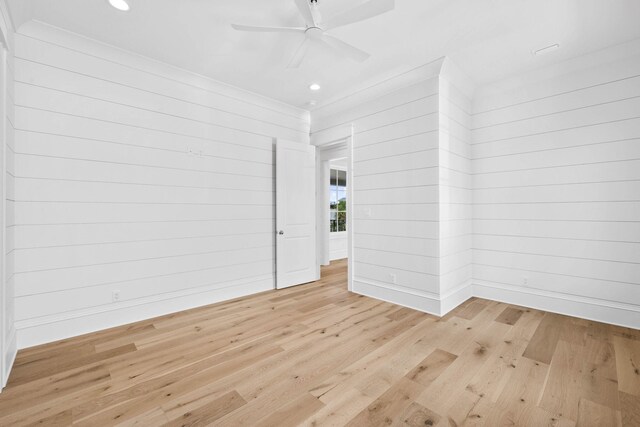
345,48
365,10
297,58
304,6
268,29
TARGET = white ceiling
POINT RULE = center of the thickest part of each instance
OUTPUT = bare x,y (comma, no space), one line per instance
488,39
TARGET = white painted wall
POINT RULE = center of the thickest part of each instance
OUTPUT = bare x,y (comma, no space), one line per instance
556,162
134,176
137,177
412,185
8,347
526,191
338,248
395,184
455,207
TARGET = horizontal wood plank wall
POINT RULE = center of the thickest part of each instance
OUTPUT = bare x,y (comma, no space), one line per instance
556,193
338,247
395,187
136,177
455,191
8,309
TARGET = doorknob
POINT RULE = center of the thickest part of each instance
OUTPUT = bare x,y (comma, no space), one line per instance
281,232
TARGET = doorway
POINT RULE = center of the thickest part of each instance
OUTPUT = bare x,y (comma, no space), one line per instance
334,207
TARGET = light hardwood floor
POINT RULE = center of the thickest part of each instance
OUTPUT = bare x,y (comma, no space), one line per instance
317,355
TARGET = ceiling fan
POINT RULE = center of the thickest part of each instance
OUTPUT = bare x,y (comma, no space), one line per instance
315,27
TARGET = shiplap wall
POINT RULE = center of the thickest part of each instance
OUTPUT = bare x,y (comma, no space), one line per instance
455,187
8,346
137,177
395,184
556,162
338,245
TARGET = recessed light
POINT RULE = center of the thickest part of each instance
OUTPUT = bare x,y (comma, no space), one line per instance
314,86
546,49
120,5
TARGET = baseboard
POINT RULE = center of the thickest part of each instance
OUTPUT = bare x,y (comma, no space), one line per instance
615,313
10,358
54,328
416,300
48,329
338,255
455,297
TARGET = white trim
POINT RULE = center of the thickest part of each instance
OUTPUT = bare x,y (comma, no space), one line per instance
541,76
18,13
4,327
451,73
341,254
455,297
337,234
376,87
342,144
10,356
337,255
324,155
626,315
75,41
60,326
323,256
621,314
416,300
350,224
7,331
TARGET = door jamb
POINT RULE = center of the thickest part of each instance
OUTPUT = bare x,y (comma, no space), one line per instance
349,138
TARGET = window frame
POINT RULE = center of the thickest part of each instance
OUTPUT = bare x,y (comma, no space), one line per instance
336,192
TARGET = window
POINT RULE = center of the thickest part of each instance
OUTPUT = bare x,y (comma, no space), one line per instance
338,201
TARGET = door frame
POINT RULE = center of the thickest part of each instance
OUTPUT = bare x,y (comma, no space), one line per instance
322,191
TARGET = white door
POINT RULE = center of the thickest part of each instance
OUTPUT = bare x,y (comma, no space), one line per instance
295,214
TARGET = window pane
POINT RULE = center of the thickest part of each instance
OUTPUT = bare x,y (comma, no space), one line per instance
337,200
342,178
333,194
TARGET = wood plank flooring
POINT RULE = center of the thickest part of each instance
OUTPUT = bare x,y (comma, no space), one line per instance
317,355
